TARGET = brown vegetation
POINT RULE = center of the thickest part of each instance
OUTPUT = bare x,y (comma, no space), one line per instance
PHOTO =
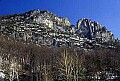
44,63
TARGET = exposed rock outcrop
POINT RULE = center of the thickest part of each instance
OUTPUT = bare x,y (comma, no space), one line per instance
45,28
93,30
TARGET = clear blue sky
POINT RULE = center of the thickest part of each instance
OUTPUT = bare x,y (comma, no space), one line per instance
106,12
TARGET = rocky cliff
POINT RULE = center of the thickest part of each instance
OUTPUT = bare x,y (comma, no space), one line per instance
45,28
93,30
37,16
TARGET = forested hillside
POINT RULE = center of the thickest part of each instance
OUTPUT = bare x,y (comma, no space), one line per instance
19,60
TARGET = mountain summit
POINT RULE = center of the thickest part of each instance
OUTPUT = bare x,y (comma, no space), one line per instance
45,28
93,30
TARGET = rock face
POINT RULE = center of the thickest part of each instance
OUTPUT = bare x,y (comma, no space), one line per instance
37,16
35,26
47,18
45,28
93,30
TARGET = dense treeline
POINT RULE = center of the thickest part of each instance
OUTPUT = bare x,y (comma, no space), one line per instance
42,63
